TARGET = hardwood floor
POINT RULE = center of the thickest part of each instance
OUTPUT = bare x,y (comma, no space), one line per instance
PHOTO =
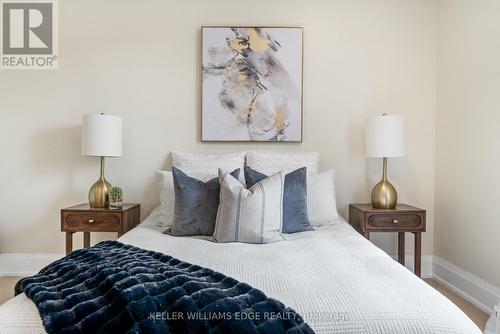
7,288
479,317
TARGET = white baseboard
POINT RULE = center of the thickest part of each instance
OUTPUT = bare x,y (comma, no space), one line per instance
470,287
426,268
24,264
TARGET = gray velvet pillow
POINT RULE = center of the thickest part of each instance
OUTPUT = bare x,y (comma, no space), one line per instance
295,217
196,204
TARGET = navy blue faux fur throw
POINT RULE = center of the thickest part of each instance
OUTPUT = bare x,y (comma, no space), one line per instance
118,288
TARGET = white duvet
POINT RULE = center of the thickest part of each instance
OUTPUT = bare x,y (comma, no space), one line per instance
337,280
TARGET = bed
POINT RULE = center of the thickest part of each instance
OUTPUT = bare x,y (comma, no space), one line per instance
337,280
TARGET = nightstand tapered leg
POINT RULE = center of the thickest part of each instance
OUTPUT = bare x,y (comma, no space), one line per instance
86,239
401,248
418,253
69,242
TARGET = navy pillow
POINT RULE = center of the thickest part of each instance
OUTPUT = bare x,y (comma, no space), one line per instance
295,218
196,204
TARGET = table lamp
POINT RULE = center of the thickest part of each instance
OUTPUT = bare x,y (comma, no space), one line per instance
385,139
101,137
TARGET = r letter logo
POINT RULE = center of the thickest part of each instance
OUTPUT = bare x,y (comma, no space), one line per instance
29,34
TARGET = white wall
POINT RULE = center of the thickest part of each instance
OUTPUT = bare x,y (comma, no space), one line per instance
468,137
141,60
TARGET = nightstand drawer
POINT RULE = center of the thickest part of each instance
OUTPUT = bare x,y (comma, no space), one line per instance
95,222
394,221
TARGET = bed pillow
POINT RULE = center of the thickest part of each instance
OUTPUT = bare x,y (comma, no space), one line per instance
196,204
200,166
270,162
295,218
249,215
167,198
321,199
205,167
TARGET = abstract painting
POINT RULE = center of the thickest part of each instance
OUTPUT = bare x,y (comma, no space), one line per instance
252,84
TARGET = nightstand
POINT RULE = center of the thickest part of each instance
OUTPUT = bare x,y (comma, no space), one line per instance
83,218
405,218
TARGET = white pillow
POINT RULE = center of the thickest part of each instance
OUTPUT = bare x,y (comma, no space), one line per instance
270,162
249,215
321,201
167,198
206,166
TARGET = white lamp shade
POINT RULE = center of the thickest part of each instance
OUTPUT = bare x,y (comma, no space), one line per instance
101,135
385,136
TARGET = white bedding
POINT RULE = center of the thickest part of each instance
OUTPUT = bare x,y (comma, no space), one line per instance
337,280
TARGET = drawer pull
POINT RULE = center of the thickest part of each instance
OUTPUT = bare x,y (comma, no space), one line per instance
395,221
91,220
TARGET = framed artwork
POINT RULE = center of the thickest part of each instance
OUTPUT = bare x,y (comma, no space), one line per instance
252,84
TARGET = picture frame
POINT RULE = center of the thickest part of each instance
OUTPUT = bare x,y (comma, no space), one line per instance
252,84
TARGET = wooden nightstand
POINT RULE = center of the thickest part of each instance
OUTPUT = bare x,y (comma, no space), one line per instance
405,218
83,218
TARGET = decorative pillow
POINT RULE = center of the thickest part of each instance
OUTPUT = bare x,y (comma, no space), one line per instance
166,183
249,215
270,162
321,201
196,204
206,166
295,217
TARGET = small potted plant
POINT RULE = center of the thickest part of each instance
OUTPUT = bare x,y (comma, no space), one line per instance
115,198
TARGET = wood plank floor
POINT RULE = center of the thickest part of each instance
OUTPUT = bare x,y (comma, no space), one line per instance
7,288
479,317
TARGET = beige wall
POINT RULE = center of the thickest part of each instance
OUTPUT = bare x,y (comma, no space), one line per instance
468,137
141,60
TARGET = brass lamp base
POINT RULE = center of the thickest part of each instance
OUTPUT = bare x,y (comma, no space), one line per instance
384,195
99,192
